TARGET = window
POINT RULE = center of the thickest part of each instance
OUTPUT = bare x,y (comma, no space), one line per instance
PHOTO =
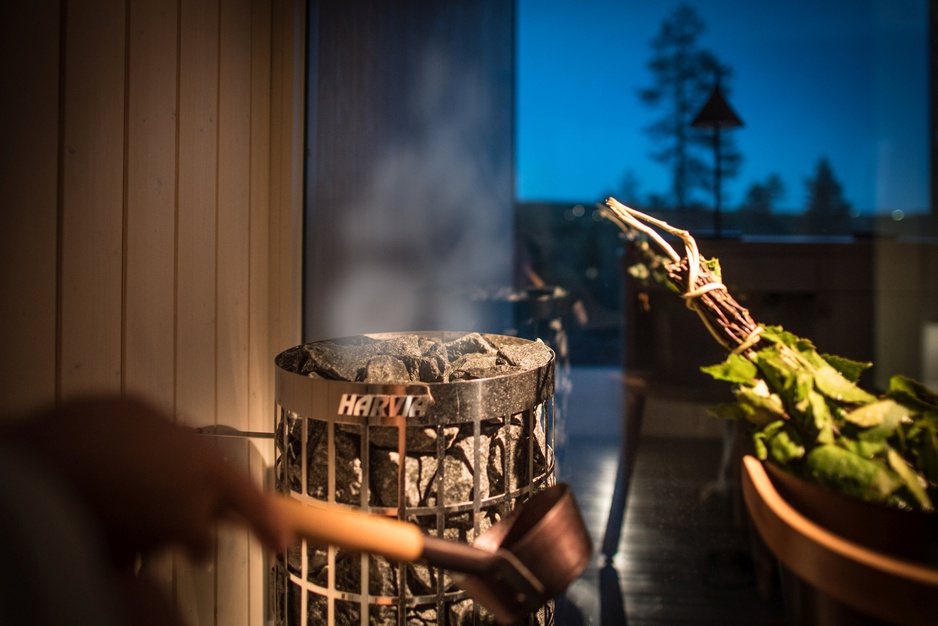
855,95
834,143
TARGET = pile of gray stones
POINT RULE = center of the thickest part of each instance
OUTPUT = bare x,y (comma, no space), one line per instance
445,467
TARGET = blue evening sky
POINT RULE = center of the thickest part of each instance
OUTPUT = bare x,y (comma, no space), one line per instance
842,79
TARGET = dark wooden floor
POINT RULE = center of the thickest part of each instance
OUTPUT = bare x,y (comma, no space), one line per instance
683,558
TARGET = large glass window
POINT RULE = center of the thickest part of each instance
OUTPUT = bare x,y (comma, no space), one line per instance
834,137
840,82
793,140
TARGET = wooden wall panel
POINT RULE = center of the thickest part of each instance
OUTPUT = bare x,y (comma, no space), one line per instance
156,232
149,342
194,583
232,287
260,352
260,349
28,209
287,169
92,200
259,561
197,215
233,245
905,300
232,604
150,248
287,159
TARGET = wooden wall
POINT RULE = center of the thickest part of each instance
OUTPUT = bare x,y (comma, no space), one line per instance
151,225
905,305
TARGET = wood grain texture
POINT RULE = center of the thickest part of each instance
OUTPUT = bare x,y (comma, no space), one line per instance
196,270
149,364
260,357
233,227
28,220
234,591
141,211
150,228
92,205
874,583
196,215
287,172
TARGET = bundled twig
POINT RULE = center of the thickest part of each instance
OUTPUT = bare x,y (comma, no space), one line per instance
729,322
806,410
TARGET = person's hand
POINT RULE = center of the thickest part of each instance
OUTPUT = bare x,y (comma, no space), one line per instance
148,482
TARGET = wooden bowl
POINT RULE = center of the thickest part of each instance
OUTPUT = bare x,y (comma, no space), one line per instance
911,535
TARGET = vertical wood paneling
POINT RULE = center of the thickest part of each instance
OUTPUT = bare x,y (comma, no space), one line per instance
195,243
277,46
260,363
234,591
287,86
288,49
28,218
196,269
234,128
194,589
177,228
233,287
92,199
149,300
258,563
260,350
150,213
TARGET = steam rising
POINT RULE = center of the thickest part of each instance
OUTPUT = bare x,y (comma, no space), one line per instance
435,216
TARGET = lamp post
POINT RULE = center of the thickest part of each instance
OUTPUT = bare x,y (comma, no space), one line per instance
717,114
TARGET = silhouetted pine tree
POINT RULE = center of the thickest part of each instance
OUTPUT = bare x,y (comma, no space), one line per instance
827,212
683,75
762,197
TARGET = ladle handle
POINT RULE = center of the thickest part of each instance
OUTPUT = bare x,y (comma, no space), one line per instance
325,523
457,557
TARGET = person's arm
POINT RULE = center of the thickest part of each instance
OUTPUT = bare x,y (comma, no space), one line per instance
117,472
149,482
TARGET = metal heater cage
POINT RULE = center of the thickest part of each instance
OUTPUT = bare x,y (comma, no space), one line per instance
403,451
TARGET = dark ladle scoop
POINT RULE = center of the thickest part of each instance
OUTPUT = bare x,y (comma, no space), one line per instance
512,569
